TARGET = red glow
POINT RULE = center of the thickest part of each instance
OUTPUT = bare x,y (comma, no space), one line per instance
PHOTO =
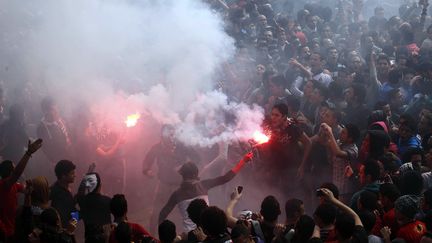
132,119
260,137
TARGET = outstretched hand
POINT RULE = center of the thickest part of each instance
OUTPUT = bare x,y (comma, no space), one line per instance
327,194
34,146
236,195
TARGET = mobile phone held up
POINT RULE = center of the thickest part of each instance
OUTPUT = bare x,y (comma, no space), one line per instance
75,215
239,189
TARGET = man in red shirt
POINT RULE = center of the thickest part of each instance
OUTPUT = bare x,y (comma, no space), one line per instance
411,230
124,230
9,187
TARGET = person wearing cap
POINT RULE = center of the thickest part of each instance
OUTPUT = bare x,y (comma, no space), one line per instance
192,188
406,208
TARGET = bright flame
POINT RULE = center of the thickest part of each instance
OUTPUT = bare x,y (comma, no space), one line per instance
260,137
132,119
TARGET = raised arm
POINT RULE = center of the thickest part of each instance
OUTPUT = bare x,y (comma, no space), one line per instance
235,197
19,169
328,195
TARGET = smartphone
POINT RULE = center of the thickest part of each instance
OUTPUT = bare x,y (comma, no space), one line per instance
319,193
239,189
75,215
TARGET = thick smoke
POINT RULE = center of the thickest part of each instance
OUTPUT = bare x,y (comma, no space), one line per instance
118,57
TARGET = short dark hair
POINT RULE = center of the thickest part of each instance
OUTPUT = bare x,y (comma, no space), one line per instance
372,168
406,157
345,226
49,217
270,208
353,132
167,231
118,205
368,200
6,168
332,187
411,183
304,228
326,212
292,206
368,219
214,221
63,167
389,191
195,208
282,108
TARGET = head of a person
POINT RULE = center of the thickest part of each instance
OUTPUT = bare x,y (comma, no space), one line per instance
189,171
407,129
294,209
213,221
241,233
385,107
349,134
308,89
368,219
367,201
6,168
279,115
356,63
395,98
167,232
331,187
344,226
118,206
65,171
425,123
415,156
277,86
49,109
319,94
304,228
92,182
331,117
293,104
41,191
383,64
325,215
270,209
406,208
379,12
355,94
411,183
315,61
388,193
370,172
195,209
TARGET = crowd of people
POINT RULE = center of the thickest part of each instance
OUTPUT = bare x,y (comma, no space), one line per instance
348,105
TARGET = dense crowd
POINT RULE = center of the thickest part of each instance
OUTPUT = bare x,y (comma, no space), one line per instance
348,105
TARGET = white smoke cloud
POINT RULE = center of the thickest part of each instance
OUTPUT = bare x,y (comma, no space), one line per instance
155,57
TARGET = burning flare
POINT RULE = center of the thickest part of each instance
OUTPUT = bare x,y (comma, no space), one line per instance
132,119
260,137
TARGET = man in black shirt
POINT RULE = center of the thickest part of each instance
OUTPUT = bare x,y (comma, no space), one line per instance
60,194
192,188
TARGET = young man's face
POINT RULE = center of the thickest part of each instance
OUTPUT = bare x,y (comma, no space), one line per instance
69,177
277,119
343,136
